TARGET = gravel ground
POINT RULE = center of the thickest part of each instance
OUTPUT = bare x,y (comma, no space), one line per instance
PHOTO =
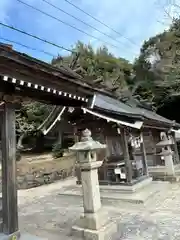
45,213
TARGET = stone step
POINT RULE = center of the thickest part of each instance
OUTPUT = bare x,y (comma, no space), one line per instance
126,189
171,179
109,197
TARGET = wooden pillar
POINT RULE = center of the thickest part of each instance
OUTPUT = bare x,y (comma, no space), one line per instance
60,137
77,169
126,156
144,157
9,186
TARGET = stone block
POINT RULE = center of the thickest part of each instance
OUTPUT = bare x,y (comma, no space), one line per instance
104,233
127,189
93,221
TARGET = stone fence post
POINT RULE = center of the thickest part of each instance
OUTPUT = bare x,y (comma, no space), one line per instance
94,224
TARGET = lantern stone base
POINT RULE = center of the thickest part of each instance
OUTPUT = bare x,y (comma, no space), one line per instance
94,226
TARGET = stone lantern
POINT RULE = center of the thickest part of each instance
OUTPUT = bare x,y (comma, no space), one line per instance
94,223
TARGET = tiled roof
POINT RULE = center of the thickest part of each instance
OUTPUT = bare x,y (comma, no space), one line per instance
117,107
153,116
114,106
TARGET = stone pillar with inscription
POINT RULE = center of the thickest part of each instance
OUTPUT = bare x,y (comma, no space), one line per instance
94,223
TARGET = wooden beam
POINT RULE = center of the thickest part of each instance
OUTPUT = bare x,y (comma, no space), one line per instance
57,81
9,185
126,155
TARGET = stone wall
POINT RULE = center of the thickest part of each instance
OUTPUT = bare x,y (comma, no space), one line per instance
36,173
31,180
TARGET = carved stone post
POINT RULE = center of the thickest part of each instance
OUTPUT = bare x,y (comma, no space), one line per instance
94,223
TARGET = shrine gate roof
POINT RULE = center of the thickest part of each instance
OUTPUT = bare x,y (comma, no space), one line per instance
23,75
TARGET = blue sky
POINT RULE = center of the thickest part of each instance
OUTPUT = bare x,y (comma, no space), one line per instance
136,20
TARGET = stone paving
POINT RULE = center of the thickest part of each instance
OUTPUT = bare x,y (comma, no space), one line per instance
45,213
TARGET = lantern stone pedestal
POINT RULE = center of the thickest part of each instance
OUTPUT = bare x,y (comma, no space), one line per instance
94,223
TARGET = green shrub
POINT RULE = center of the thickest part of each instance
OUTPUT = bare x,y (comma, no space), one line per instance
57,150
